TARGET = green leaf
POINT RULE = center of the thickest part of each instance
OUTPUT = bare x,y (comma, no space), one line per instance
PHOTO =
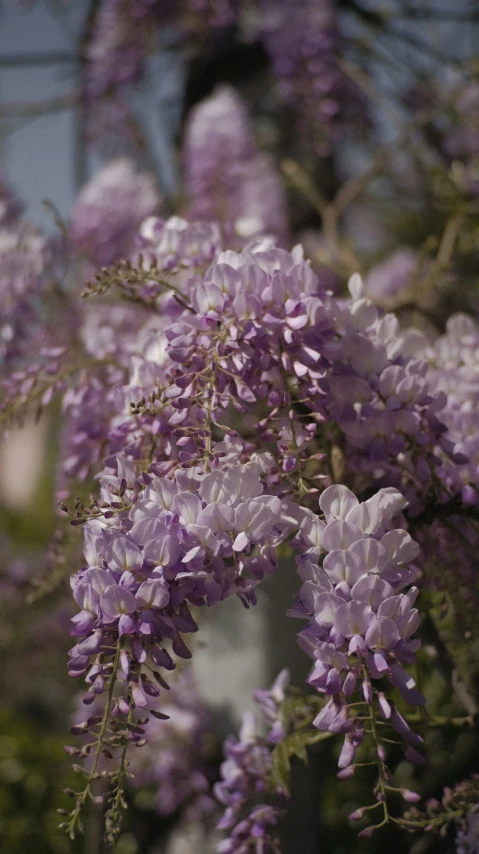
293,745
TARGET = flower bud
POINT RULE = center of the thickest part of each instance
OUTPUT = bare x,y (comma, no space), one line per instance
357,815
346,773
367,832
410,797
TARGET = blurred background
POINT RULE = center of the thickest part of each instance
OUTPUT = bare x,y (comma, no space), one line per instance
372,148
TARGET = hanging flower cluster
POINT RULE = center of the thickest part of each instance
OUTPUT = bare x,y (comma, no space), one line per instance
178,764
190,513
110,210
458,808
302,42
212,404
360,626
454,369
245,780
253,804
383,402
24,259
226,177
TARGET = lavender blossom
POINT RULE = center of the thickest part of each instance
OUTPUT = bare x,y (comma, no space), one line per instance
25,261
117,48
226,178
467,841
110,210
303,40
178,763
360,626
390,277
252,808
384,403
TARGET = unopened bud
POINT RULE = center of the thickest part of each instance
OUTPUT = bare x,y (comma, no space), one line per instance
357,815
367,832
410,797
346,773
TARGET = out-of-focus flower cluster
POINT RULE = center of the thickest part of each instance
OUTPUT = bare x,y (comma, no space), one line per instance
178,764
458,808
226,177
454,370
24,259
302,41
110,210
302,44
253,805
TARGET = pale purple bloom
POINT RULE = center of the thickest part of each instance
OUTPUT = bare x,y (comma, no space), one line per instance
178,764
467,840
302,41
226,177
390,277
358,621
246,778
110,210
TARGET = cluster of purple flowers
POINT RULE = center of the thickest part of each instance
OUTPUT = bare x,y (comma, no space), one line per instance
253,809
176,243
302,44
360,625
178,763
383,403
226,177
119,41
110,210
211,402
122,34
27,269
24,258
278,322
302,41
454,371
449,542
168,543
458,807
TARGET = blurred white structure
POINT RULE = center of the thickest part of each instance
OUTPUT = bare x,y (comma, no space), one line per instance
22,457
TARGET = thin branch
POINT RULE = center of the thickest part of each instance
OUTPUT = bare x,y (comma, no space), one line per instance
24,60
414,12
38,108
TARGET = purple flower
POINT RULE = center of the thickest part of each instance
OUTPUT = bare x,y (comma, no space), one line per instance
179,762
110,210
246,778
226,178
359,624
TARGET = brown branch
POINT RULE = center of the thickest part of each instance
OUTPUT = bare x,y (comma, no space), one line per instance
38,108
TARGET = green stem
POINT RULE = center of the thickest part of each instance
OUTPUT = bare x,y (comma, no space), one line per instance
380,765
87,790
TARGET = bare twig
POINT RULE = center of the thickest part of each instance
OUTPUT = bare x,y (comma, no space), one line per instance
24,60
38,108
